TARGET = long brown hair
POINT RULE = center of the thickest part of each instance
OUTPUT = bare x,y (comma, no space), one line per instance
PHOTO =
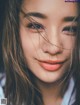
20,87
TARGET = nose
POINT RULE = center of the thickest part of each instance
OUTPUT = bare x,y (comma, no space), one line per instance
53,44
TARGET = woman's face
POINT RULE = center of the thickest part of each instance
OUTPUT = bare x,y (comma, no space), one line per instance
47,32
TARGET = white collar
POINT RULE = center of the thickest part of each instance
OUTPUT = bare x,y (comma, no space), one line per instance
68,99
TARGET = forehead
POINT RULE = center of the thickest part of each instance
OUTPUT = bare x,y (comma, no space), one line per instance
50,7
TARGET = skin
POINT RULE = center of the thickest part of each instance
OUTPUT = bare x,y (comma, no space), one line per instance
59,46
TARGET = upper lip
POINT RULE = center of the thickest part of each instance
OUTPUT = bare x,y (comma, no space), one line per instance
52,61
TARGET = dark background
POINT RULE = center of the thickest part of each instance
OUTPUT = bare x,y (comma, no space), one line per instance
2,13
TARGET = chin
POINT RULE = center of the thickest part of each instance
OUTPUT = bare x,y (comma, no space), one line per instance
50,80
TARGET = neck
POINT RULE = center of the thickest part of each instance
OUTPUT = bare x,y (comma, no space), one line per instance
52,93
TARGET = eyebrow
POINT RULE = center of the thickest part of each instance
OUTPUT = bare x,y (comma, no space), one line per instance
40,15
34,14
70,19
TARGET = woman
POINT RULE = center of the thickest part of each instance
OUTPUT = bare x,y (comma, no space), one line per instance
41,52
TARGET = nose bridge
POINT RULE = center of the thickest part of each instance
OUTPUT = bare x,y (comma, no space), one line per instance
53,35
53,45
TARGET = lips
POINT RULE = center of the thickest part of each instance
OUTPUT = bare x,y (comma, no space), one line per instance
51,65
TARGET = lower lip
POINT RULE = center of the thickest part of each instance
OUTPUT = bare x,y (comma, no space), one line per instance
50,67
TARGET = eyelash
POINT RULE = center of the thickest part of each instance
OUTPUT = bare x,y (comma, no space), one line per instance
70,30
37,27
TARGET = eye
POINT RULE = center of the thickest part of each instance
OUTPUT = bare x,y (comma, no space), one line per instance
70,30
35,27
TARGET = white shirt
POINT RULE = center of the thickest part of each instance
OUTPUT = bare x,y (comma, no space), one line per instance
2,83
68,99
1,92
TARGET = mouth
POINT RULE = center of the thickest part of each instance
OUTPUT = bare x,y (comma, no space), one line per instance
50,65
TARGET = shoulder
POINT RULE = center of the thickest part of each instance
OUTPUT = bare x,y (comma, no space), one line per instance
2,84
77,87
1,92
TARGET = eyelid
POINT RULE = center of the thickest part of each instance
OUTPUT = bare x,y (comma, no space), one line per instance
34,25
70,30
69,27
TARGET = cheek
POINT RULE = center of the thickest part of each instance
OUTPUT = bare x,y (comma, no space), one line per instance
29,42
68,42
